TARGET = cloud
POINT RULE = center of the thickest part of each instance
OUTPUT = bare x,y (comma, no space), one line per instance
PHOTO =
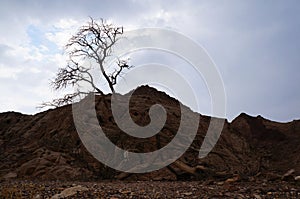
62,31
254,44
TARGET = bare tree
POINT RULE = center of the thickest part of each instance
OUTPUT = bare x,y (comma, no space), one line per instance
93,41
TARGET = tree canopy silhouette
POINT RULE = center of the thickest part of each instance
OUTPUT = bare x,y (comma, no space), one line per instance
93,41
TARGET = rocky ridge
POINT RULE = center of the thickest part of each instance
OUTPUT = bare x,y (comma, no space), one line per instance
46,146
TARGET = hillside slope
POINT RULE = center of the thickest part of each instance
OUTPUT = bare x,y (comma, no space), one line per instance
46,146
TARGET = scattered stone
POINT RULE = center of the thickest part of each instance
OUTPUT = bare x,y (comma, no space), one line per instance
256,196
147,189
69,192
231,180
187,193
288,173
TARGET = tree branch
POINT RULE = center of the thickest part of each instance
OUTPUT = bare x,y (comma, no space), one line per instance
93,41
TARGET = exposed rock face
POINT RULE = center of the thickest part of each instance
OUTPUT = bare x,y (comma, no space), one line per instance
46,145
276,144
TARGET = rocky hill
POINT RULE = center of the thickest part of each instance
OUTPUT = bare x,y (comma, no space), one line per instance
46,146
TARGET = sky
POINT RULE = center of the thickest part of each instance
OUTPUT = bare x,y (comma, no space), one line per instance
255,46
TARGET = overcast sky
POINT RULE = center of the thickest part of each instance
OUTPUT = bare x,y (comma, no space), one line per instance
254,44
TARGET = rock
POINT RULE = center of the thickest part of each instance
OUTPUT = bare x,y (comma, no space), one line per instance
69,192
297,178
289,172
256,196
187,193
10,175
231,180
288,175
